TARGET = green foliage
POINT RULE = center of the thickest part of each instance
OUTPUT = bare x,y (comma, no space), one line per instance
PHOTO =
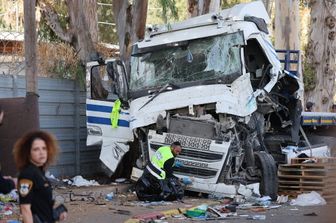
229,3
309,77
68,71
106,23
155,14
45,33
168,5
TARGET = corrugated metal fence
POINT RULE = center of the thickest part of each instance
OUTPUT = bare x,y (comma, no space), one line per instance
62,112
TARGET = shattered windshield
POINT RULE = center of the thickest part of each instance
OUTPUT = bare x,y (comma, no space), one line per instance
195,60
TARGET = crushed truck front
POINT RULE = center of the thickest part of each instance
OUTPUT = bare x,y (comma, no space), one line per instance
209,83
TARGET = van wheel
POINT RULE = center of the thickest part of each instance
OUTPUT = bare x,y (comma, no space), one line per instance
268,174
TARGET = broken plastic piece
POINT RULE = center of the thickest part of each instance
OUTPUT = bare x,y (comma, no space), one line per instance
309,199
257,217
186,180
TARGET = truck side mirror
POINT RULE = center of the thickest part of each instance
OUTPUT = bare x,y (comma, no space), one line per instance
117,72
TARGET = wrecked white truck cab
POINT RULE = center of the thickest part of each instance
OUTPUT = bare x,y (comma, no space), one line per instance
213,83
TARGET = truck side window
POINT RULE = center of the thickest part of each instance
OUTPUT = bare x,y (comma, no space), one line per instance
102,84
256,62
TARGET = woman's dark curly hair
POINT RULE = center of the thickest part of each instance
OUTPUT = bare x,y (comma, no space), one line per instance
23,146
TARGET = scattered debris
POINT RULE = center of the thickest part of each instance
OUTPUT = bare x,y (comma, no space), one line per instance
282,199
119,211
294,209
79,181
109,196
121,180
81,197
9,210
257,217
311,214
309,199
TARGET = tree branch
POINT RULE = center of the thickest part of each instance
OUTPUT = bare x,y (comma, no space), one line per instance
53,21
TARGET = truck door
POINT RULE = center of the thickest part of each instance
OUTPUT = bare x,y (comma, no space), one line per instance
107,118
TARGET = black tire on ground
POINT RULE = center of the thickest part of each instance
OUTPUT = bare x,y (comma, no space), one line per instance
269,177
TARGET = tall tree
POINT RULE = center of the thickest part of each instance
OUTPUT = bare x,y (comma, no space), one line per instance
287,24
268,5
81,31
30,46
131,21
200,7
287,28
321,54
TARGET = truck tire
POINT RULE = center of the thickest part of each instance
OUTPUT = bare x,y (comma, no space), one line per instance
269,177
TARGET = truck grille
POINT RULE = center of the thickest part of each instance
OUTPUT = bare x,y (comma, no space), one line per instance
188,141
194,154
193,171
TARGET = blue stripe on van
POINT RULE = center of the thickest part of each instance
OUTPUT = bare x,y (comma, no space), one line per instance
102,108
106,121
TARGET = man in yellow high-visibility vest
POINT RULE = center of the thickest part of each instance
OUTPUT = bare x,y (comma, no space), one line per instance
158,181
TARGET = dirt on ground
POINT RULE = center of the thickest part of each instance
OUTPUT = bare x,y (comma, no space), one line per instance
90,204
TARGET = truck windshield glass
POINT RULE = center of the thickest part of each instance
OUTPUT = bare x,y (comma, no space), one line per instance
197,60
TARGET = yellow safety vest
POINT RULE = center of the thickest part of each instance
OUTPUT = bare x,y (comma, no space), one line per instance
115,113
158,160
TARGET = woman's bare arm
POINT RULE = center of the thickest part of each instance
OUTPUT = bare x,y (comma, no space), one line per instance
26,213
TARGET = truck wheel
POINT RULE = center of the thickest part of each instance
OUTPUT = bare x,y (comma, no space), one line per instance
269,177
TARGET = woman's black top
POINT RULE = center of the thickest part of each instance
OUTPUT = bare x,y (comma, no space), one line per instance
35,189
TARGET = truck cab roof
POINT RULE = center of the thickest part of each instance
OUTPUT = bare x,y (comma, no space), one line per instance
226,21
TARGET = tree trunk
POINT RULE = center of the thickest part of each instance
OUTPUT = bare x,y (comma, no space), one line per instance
30,46
287,23
82,33
287,30
131,21
91,17
83,29
79,13
30,107
214,6
321,54
201,7
268,5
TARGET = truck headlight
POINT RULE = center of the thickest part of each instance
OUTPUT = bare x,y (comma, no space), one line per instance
94,130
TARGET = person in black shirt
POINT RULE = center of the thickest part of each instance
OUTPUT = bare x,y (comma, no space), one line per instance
33,153
6,183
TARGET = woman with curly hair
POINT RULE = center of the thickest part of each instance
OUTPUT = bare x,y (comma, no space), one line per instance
33,153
